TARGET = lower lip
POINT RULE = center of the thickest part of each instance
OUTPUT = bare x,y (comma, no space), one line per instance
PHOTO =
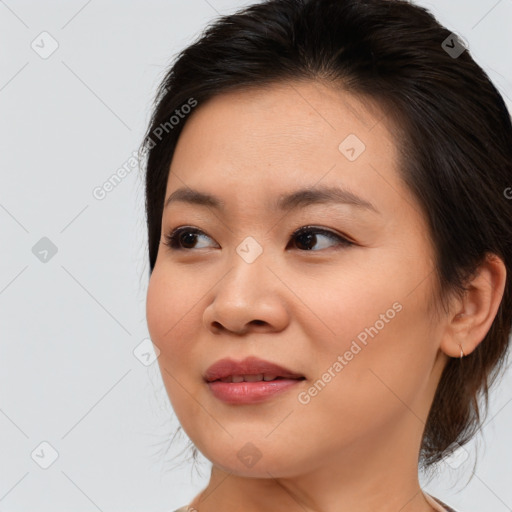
250,392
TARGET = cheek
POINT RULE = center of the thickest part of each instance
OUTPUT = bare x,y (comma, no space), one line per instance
159,302
383,293
172,309
343,303
381,330
172,312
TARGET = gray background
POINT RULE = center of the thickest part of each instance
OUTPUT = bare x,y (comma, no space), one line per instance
70,324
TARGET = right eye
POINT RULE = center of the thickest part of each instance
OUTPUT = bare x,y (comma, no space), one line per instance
185,238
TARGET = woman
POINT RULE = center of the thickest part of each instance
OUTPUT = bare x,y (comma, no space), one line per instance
330,251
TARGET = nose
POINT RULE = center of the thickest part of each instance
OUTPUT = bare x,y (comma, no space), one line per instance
248,298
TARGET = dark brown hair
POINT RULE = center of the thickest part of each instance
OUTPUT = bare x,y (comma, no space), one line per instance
454,136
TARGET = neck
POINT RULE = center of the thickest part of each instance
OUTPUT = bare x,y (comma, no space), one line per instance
368,476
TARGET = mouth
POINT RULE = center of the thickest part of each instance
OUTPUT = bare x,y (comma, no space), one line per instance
249,381
250,369
267,377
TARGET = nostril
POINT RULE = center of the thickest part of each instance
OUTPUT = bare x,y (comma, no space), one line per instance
217,326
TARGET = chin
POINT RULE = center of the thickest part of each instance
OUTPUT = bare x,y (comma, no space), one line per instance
251,461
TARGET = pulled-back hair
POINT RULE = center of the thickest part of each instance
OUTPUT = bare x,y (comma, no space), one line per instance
453,132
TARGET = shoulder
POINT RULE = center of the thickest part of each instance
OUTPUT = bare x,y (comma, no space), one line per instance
185,508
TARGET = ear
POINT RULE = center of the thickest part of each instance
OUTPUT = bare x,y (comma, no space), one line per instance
472,315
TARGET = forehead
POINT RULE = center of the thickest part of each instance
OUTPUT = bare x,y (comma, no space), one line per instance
244,145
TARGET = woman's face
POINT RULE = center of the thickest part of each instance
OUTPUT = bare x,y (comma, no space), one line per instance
242,281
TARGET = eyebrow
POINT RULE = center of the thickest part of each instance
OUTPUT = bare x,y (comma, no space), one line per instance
295,200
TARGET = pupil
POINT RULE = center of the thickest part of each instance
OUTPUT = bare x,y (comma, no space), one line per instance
306,239
187,238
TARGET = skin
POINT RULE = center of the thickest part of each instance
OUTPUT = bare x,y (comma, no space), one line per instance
354,446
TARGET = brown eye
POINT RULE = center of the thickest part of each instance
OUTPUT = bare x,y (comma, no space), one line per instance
185,238
307,237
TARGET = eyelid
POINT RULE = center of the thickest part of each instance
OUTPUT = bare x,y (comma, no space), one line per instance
342,239
323,231
170,238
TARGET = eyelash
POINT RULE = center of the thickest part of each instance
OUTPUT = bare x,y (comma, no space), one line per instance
172,239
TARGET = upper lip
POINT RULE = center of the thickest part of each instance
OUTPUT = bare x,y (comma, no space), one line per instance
248,366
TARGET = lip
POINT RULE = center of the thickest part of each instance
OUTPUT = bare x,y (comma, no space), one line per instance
249,392
248,366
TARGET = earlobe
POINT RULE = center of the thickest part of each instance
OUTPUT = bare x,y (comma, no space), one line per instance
476,310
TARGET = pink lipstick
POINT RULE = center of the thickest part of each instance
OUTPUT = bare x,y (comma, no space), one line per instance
249,381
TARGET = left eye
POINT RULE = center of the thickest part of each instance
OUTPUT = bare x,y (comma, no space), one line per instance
308,236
